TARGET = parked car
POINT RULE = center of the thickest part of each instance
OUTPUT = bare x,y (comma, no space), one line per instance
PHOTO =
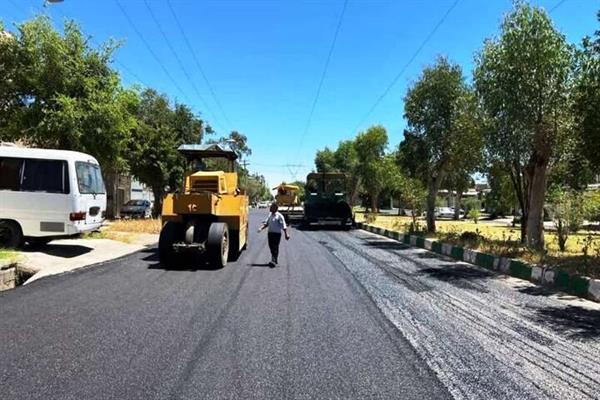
48,194
136,209
263,204
444,212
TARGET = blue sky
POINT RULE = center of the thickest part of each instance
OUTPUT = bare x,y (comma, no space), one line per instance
264,60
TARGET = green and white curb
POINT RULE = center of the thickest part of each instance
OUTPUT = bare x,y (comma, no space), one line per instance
581,286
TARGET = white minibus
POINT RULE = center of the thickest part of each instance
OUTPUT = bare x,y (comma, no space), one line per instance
48,194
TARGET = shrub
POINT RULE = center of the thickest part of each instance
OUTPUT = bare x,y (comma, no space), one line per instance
370,218
568,210
591,206
474,214
472,204
470,237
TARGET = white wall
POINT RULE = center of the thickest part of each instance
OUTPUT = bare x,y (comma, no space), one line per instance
140,192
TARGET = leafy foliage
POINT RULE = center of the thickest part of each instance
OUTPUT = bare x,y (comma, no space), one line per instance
441,113
56,91
161,129
587,97
373,171
522,78
257,188
568,211
325,160
501,199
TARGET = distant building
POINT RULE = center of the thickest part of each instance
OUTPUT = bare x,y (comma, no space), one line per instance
139,191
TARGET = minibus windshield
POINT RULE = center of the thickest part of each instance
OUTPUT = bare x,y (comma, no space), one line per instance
89,178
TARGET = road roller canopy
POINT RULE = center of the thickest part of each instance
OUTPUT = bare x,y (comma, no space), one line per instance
221,156
286,188
210,150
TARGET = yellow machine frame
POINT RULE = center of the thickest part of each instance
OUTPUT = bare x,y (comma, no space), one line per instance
208,197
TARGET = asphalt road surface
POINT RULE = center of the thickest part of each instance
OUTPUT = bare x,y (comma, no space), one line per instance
345,315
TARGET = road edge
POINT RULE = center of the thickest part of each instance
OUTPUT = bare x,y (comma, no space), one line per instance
577,285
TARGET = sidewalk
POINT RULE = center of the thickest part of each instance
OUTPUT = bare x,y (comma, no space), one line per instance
69,254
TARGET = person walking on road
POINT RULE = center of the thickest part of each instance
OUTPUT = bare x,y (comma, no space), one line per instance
276,223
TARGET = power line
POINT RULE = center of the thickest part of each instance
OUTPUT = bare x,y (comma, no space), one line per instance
193,53
181,65
323,74
123,66
130,72
165,70
560,3
405,67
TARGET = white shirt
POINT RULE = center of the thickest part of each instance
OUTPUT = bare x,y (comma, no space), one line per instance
275,222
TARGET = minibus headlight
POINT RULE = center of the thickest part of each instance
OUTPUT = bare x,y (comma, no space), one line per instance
77,216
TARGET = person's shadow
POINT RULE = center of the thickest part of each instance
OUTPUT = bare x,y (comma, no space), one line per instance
259,265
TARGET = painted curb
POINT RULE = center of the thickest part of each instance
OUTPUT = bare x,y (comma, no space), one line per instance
577,285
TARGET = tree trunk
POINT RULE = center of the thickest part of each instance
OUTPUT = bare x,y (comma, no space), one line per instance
374,202
158,193
536,197
516,178
457,200
431,197
354,193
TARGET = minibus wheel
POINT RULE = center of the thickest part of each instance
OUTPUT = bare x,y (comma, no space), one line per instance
11,235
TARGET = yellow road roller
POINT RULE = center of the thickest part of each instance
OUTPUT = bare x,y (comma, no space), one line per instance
289,203
208,219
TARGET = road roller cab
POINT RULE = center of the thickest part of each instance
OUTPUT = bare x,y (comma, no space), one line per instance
209,218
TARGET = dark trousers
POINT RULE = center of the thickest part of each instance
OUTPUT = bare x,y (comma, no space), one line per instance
274,239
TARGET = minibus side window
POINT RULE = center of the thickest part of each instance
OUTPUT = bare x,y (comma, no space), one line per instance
10,173
49,176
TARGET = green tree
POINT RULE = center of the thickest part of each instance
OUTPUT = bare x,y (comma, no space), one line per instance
522,78
161,129
59,92
325,160
568,213
301,192
592,206
257,188
370,148
501,199
437,109
458,181
587,98
411,151
237,142
345,159
413,196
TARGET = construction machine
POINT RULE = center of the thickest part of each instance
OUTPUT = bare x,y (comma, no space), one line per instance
289,203
326,200
208,219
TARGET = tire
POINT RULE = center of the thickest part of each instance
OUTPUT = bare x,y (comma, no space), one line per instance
11,235
168,236
217,244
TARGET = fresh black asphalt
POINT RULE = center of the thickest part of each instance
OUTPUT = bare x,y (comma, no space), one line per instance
345,315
